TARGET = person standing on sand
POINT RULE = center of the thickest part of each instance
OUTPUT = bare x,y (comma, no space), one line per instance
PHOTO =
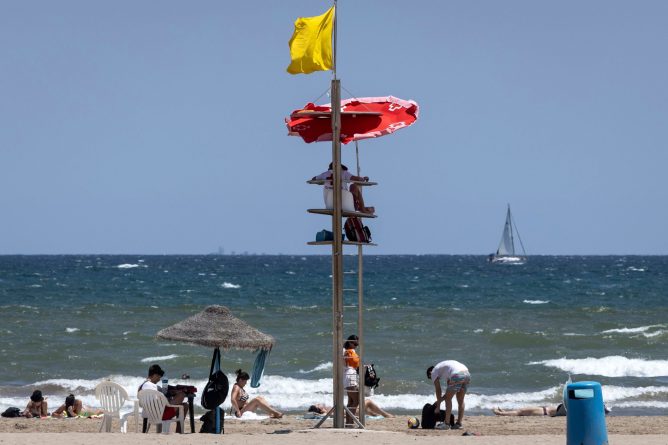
457,378
351,375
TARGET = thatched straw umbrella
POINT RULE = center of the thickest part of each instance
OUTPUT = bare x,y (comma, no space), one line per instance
216,327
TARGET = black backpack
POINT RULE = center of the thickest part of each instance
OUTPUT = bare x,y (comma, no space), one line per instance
429,419
371,378
209,422
215,391
11,412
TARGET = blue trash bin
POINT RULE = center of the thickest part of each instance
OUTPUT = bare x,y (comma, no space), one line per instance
585,415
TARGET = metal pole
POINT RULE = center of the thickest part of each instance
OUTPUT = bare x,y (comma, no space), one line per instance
337,260
360,331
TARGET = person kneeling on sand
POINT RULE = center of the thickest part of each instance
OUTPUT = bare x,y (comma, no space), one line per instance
73,407
37,406
240,403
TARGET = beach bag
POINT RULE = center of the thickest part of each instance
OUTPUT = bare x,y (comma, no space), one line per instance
215,391
371,378
12,412
356,231
429,418
324,235
209,422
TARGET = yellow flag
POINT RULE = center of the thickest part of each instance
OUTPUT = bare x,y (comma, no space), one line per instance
311,44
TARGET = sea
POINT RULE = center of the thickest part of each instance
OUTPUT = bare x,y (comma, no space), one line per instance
69,322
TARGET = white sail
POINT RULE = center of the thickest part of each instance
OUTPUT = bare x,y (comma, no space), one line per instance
506,251
506,246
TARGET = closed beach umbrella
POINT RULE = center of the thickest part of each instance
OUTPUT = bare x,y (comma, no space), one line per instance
216,327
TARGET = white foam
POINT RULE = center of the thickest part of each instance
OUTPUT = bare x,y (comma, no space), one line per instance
614,393
127,266
536,301
611,366
159,359
633,330
70,330
227,285
291,394
320,367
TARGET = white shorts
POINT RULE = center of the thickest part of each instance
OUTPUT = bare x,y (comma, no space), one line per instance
351,378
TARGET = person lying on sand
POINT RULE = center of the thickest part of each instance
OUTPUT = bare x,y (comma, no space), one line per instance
37,407
73,407
552,411
371,408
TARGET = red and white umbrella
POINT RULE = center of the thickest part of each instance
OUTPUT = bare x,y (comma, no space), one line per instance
361,118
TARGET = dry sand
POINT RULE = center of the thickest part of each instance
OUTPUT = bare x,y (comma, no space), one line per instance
622,430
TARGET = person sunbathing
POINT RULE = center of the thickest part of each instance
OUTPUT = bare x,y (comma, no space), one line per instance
240,403
74,407
37,406
551,411
371,408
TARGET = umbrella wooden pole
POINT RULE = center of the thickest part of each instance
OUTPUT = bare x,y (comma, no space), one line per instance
337,261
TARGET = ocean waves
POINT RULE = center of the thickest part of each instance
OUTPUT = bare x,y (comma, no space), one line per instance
295,395
611,366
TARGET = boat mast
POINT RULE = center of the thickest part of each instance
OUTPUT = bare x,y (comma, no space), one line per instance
509,222
337,244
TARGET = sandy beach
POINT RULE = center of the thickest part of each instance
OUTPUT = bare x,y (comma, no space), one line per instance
646,430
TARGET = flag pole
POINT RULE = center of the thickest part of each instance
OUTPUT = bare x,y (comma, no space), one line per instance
337,244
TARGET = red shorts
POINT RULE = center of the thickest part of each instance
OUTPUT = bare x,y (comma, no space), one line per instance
168,413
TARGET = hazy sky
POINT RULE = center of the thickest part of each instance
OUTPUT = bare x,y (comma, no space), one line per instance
158,126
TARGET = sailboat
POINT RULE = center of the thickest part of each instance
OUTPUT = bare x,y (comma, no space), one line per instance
506,252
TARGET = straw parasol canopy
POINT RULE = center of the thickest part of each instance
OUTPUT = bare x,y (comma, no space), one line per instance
216,327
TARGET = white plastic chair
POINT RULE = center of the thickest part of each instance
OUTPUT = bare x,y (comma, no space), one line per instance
112,397
153,404
347,201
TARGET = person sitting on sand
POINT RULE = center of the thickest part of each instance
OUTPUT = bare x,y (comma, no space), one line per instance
552,411
371,408
354,189
240,403
37,407
73,407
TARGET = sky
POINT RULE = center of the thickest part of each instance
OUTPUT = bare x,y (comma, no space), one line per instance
157,127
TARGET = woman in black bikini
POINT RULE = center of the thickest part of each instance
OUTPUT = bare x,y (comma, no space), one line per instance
532,411
239,399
